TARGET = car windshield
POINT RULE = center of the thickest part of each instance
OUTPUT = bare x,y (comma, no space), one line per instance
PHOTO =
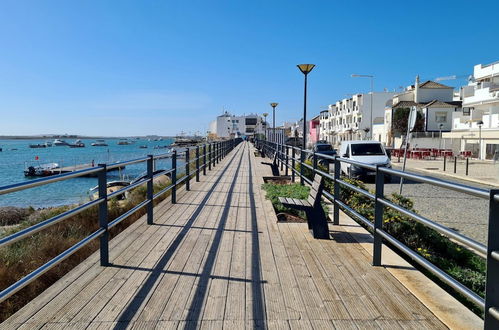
366,149
323,147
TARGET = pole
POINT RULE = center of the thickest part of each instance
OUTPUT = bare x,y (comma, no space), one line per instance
150,189
305,115
103,223
405,152
273,124
480,142
372,91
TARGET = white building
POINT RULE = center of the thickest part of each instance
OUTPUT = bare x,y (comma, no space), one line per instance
435,103
478,124
350,118
227,125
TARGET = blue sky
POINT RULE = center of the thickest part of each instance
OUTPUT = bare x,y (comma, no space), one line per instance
161,67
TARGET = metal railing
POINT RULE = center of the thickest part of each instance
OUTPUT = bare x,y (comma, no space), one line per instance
286,157
203,159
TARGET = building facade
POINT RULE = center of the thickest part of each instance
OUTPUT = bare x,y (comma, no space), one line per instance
476,128
436,105
350,118
231,126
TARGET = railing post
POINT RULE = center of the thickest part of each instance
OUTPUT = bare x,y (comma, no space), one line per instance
336,190
302,168
287,160
293,163
174,177
219,151
378,217
150,190
197,163
281,154
187,171
467,164
204,159
103,223
209,157
314,161
445,159
455,164
492,283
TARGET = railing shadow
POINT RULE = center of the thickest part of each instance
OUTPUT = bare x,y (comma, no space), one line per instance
157,271
202,287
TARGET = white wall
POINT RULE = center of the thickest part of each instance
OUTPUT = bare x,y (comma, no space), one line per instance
432,125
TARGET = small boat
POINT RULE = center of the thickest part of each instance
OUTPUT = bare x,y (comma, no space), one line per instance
59,143
48,144
99,143
161,147
143,147
77,144
41,170
112,186
38,145
124,142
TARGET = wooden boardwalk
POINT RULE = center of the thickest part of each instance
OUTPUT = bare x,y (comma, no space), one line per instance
218,259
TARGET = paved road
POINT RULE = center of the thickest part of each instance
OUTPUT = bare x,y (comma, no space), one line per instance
462,212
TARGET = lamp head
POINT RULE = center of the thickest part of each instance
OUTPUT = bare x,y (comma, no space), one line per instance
274,104
265,115
480,123
306,68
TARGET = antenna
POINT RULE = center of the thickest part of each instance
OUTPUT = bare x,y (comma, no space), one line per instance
452,77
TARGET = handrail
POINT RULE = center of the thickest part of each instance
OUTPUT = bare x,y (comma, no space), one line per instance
491,303
217,151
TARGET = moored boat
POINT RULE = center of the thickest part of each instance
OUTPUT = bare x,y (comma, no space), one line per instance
59,143
41,170
38,145
77,144
99,143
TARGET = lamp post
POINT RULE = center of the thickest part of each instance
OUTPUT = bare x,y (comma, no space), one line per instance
273,105
480,123
305,69
372,91
440,141
265,119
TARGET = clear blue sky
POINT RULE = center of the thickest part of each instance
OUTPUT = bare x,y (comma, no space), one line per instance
160,67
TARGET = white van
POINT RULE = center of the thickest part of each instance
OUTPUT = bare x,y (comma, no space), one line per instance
369,152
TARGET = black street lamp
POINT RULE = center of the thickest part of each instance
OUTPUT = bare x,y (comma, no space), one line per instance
266,128
273,105
305,69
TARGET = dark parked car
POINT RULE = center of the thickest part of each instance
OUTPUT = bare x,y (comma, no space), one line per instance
325,149
294,141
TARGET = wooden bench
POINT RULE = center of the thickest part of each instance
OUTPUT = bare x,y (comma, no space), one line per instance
316,219
273,165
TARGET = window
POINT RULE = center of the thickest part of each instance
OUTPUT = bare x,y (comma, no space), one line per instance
250,121
441,117
366,149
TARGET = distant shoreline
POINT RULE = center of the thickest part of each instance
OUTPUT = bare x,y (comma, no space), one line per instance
41,137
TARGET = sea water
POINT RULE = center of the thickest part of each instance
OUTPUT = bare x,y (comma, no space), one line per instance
17,155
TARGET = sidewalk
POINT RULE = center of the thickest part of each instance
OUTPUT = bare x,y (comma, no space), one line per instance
481,172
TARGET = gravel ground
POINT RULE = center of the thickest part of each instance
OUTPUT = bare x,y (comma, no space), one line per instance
464,213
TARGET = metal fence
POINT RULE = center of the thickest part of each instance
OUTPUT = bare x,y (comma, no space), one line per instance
288,156
206,156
